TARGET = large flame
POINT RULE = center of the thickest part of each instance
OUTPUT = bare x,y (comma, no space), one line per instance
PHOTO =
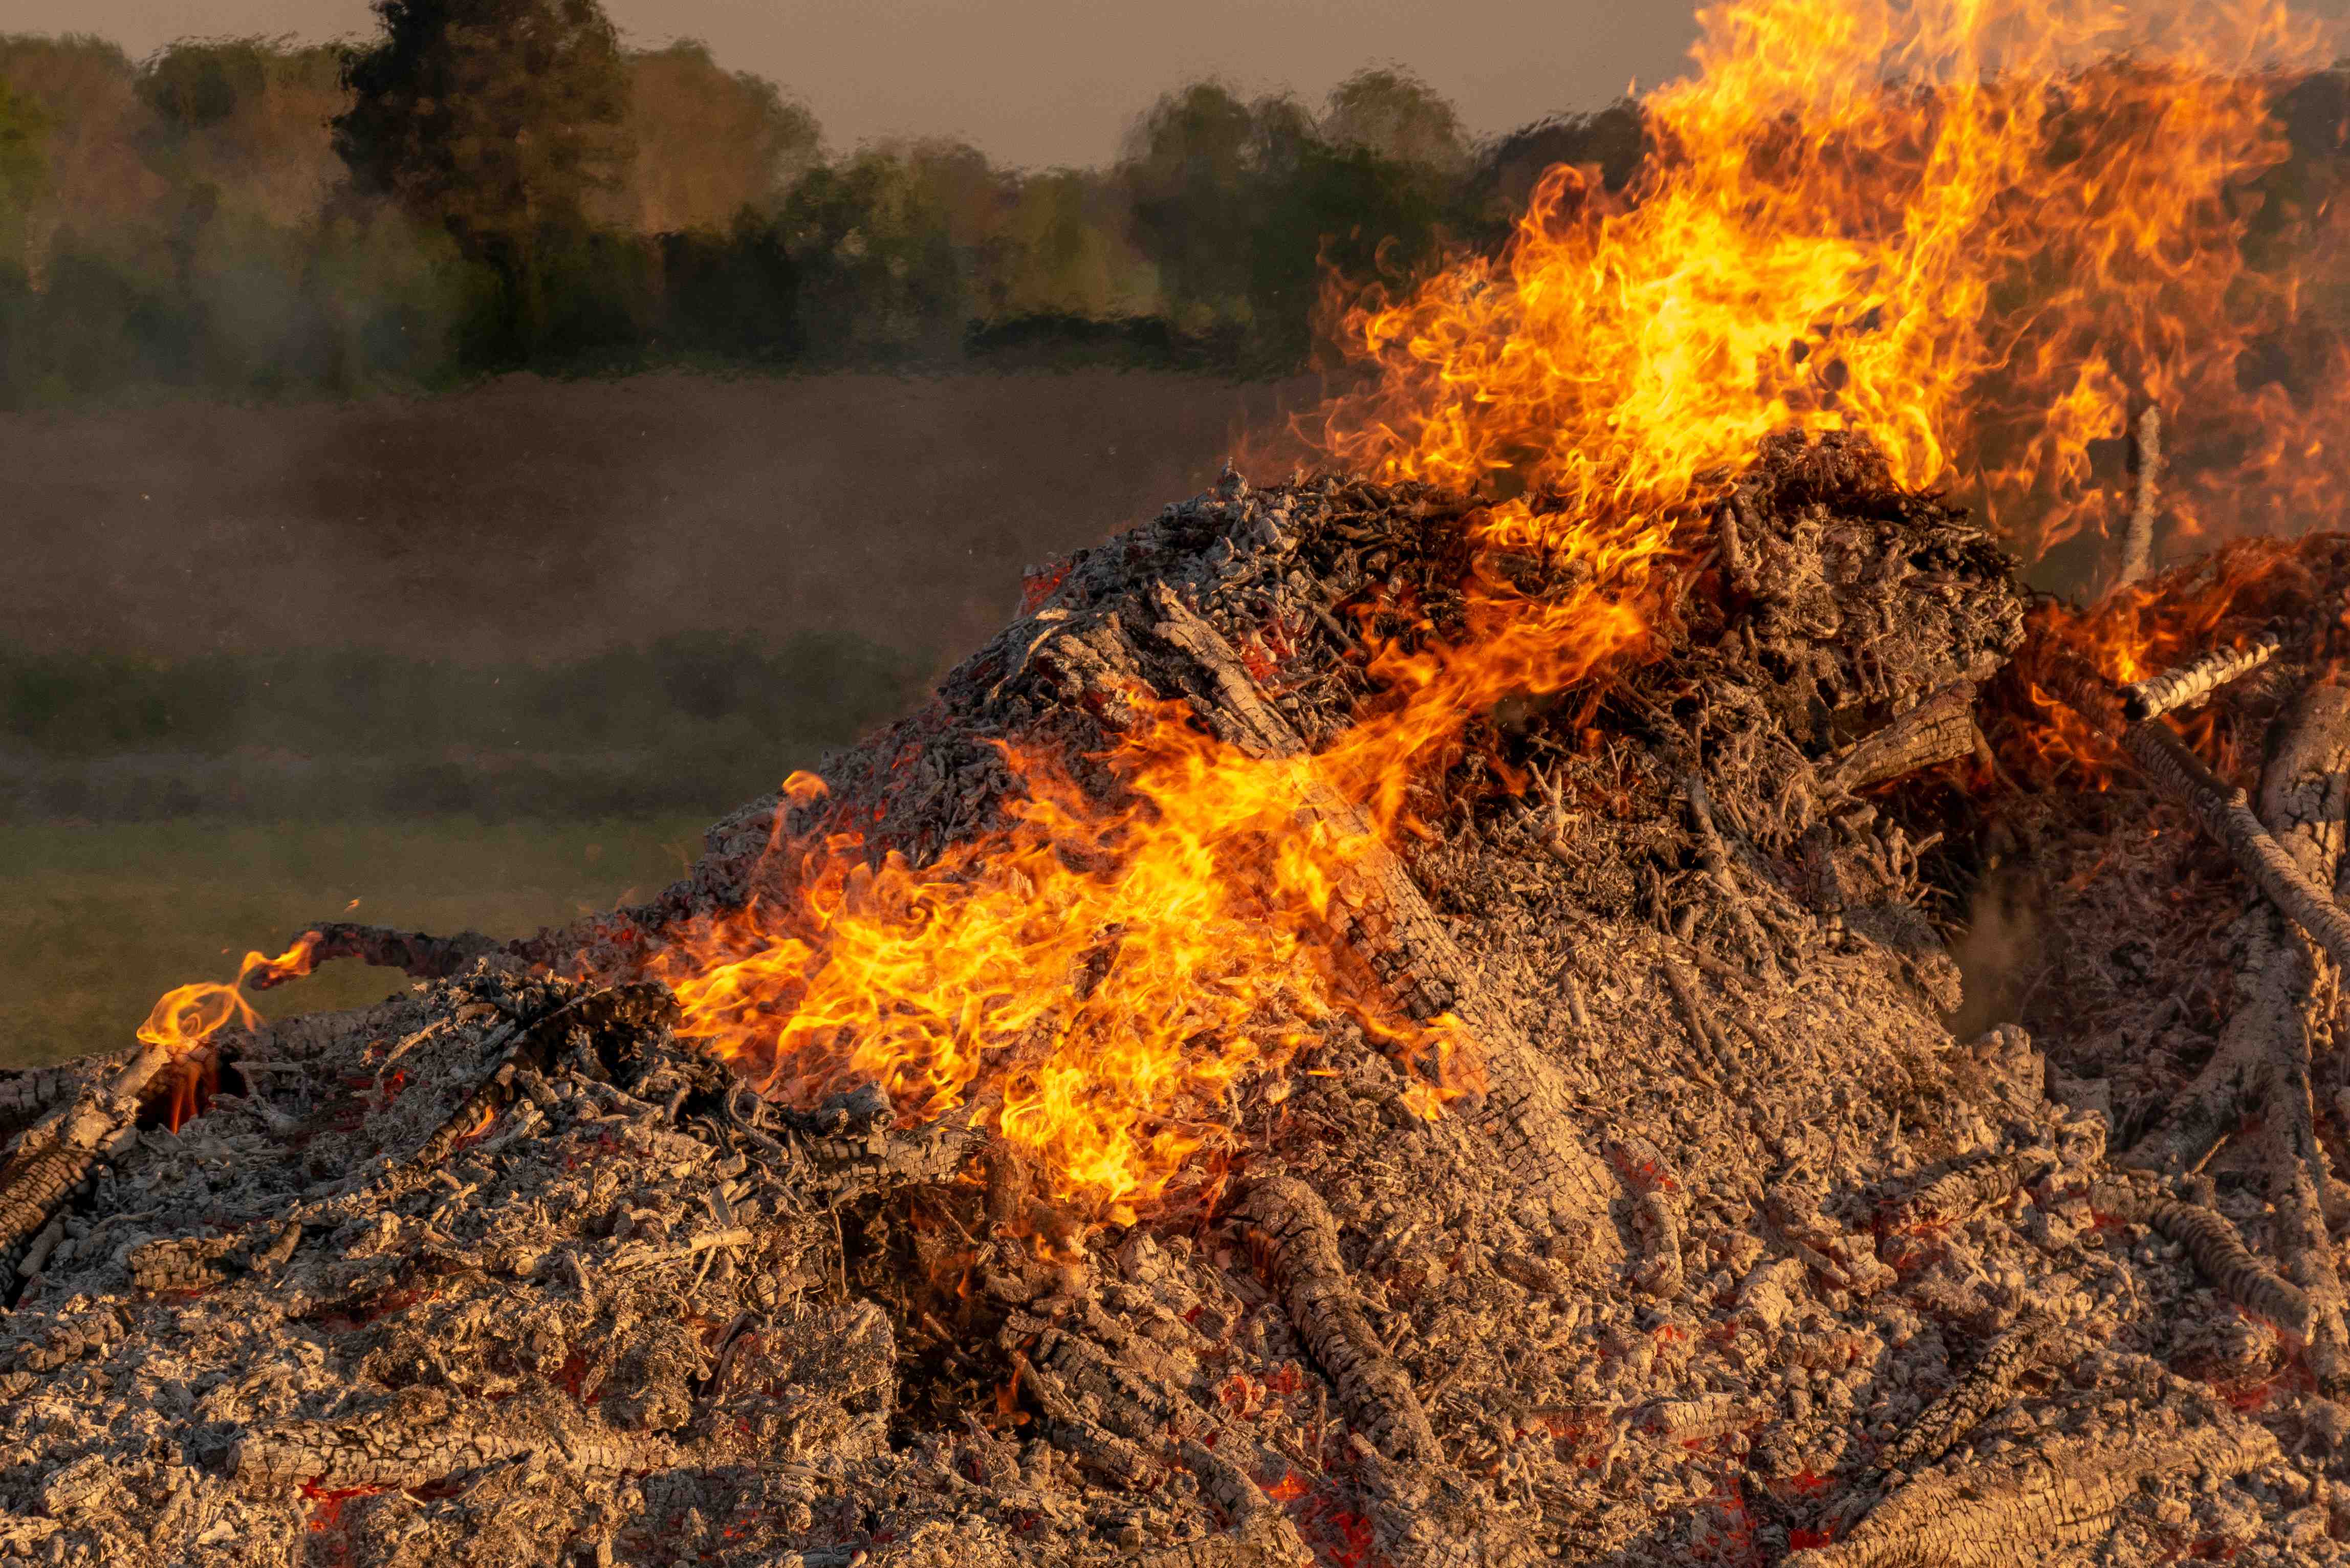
1988,267
1986,233
1102,981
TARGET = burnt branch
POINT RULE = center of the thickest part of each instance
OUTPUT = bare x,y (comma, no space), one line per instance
1939,730
2218,1252
55,1154
1300,1244
2056,1498
413,953
2227,815
2191,683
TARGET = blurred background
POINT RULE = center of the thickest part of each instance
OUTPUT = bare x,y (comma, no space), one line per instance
453,450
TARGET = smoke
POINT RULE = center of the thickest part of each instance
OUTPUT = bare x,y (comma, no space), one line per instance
1998,952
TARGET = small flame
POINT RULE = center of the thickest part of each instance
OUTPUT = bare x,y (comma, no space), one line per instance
187,1016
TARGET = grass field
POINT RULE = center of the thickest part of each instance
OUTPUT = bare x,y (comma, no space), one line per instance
96,921
487,604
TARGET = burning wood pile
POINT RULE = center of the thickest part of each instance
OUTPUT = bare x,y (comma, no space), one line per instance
1637,1206
1406,1017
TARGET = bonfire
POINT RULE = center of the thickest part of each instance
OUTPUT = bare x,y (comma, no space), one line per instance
1589,977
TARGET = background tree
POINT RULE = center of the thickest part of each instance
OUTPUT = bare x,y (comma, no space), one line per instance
1250,211
710,145
1188,173
500,119
241,118
23,173
99,195
1392,114
872,243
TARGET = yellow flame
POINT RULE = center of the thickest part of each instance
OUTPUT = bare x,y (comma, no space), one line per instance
187,1015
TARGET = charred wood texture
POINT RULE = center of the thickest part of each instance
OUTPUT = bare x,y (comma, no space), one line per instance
53,1156
2053,1501
1377,911
2226,816
423,1437
413,953
2191,683
509,1270
2218,1248
1939,730
2035,1342
1301,1247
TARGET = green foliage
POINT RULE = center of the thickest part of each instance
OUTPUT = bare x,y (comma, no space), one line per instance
501,119
709,146
492,185
880,275
1192,172
24,172
1395,116
694,721
1250,210
498,117
732,296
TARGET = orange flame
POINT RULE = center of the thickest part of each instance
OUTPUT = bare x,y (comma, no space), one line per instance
1112,977
1981,231
187,1016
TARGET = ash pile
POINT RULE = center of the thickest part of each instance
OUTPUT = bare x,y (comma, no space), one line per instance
1729,1251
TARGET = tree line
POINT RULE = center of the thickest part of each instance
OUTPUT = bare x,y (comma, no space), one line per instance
490,185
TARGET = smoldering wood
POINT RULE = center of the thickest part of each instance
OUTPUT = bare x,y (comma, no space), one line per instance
2190,683
2218,1248
413,953
2227,815
1970,1185
2224,811
2038,1341
1301,1245
2138,547
53,1156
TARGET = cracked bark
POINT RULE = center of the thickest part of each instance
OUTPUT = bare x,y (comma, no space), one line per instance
2191,682
2058,1498
55,1154
1939,730
2217,1249
413,953
2038,1341
419,1437
1112,1410
2263,1054
1299,1243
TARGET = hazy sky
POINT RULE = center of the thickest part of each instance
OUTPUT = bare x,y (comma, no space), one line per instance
1049,81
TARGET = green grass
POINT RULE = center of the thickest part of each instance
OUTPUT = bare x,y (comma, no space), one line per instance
97,920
